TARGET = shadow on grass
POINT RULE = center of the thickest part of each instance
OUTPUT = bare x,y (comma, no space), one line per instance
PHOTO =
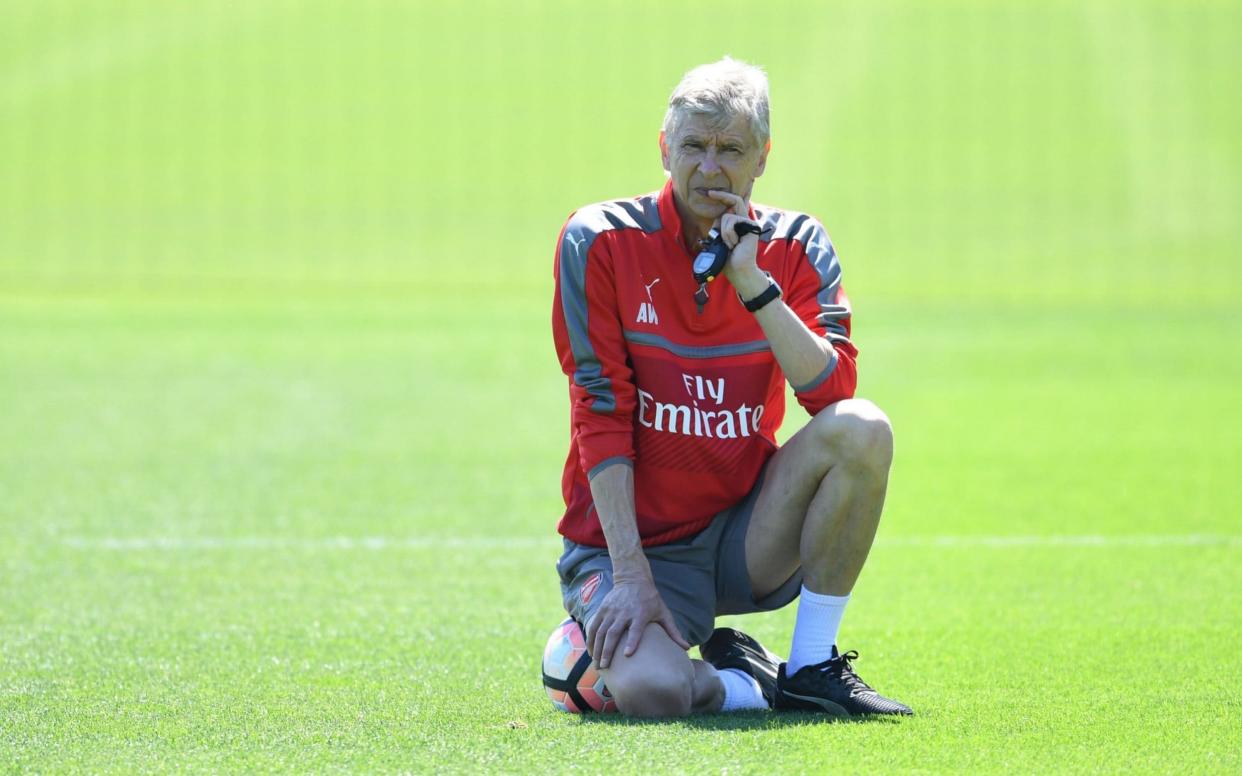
741,720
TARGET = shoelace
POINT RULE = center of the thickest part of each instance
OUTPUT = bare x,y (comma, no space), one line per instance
840,667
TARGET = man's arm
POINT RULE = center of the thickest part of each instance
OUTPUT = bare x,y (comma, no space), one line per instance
591,347
634,600
803,356
807,359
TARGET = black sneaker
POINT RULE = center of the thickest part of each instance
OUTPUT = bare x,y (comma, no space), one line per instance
729,648
833,688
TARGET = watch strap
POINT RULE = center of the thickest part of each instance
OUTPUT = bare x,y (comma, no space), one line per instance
773,291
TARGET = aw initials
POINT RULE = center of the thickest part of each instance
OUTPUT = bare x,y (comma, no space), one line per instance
647,313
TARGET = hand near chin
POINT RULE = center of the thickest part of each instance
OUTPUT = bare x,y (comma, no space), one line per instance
744,250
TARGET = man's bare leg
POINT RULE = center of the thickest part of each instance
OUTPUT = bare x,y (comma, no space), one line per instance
660,679
819,508
820,503
708,694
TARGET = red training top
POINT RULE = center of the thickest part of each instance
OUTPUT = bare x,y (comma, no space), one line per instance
692,400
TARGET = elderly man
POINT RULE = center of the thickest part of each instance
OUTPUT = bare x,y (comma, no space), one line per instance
679,504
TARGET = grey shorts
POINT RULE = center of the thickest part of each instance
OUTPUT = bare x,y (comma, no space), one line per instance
698,577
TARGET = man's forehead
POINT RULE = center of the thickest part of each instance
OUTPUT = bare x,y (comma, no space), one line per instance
735,128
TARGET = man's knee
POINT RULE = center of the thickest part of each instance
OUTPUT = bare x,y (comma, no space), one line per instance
658,691
858,432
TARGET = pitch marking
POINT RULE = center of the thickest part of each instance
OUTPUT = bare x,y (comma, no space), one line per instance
140,543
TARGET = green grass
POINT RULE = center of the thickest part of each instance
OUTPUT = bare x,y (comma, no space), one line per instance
281,425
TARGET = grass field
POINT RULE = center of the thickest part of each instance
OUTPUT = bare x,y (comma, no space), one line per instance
281,425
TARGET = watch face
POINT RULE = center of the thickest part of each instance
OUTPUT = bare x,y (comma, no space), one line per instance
703,262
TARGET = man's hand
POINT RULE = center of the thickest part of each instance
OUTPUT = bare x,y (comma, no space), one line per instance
624,613
741,268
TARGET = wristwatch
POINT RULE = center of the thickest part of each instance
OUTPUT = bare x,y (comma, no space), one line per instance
773,291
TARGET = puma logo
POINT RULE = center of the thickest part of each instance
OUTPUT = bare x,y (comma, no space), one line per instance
575,240
646,310
648,287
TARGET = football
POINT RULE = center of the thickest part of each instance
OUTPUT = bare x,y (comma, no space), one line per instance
568,676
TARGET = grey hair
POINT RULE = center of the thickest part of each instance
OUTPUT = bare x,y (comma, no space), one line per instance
722,91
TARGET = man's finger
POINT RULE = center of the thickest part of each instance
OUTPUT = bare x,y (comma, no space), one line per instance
611,639
726,230
634,636
736,203
595,628
674,633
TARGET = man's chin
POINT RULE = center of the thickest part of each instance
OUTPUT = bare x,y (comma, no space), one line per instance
700,207
707,208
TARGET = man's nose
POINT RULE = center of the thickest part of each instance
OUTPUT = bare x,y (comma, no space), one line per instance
709,163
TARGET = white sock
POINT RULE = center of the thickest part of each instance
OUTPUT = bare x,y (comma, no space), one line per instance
742,692
819,619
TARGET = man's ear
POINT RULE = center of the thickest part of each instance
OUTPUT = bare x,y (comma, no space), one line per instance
664,152
763,158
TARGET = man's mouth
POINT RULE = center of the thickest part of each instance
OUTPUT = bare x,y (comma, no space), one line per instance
704,189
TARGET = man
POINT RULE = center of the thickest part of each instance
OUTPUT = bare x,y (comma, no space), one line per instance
679,506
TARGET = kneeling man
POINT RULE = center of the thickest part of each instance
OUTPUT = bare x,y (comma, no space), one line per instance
679,504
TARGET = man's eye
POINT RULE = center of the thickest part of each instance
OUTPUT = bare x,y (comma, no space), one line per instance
692,144
732,149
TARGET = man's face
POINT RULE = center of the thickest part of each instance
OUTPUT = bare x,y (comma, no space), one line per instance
702,155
